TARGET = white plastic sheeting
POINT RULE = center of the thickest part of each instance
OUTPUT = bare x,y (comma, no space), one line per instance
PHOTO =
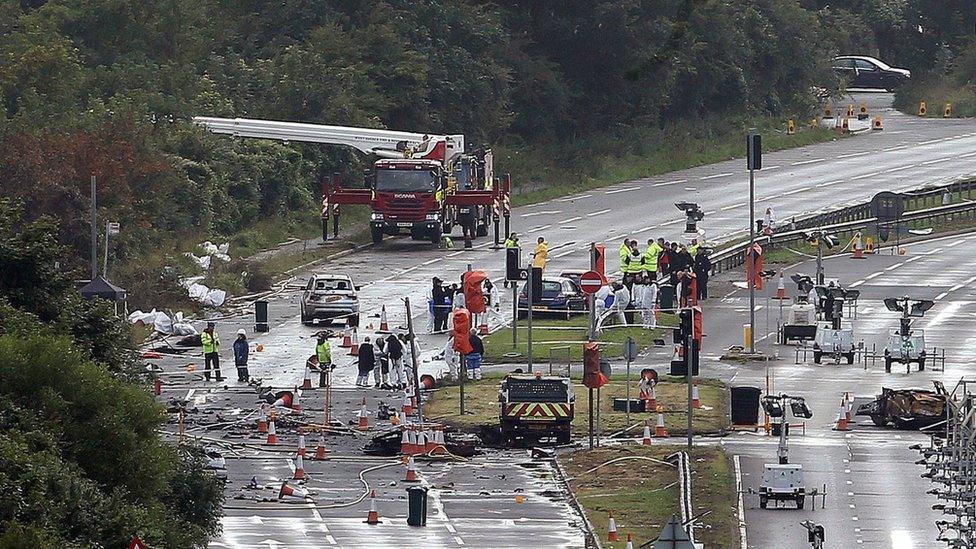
162,323
211,252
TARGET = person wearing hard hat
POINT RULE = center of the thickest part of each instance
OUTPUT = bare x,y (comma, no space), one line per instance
240,356
211,348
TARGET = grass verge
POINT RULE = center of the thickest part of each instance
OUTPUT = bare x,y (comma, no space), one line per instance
481,405
643,494
556,335
936,92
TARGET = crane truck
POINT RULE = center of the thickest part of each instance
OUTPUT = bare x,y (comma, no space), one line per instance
420,184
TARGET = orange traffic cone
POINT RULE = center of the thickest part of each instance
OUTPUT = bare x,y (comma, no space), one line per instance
842,423
646,441
299,468
301,443
412,438
877,125
373,517
630,541
346,338
780,287
320,449
288,490
440,447
354,345
858,247
659,430
272,436
411,471
384,325
612,529
695,397
363,418
421,441
405,440
296,407
307,382
848,404
407,407
263,421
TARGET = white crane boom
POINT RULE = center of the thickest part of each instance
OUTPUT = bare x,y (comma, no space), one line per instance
383,143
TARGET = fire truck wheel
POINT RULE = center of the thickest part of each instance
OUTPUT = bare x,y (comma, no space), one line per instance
377,235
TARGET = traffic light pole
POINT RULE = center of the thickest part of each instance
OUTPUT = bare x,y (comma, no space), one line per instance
751,259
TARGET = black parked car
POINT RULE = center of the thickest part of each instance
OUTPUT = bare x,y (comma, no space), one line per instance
560,296
867,72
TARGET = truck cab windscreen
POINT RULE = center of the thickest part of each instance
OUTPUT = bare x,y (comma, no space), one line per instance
415,181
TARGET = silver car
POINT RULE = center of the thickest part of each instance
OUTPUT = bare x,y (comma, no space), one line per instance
328,298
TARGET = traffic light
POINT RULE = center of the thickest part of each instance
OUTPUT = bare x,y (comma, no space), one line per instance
593,376
686,323
513,264
600,260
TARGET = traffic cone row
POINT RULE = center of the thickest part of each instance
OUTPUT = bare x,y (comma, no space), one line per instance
695,397
428,439
781,287
363,417
660,431
373,517
354,343
384,325
612,534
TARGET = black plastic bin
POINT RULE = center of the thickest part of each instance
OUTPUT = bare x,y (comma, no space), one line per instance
665,298
745,405
260,316
417,506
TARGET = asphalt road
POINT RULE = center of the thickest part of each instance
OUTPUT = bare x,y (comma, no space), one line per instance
875,497
910,152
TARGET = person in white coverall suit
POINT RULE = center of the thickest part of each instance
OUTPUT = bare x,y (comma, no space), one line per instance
648,302
621,299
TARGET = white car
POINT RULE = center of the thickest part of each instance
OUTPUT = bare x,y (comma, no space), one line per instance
330,297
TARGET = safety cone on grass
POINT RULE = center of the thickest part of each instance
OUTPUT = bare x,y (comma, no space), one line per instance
646,441
320,449
384,325
354,345
263,421
695,397
659,430
781,287
299,468
363,418
292,491
272,436
612,534
842,423
373,517
411,471
630,541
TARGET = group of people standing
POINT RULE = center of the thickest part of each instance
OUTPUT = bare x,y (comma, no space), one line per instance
443,299
389,359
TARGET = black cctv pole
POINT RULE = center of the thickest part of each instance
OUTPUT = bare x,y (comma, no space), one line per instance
689,341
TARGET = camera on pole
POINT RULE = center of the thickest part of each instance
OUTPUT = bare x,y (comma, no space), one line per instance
693,213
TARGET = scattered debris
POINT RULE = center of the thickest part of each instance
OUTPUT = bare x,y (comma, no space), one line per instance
162,323
907,408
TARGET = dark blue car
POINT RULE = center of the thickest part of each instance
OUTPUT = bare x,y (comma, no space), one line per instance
560,297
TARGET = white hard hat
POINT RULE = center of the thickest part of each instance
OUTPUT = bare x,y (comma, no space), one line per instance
241,332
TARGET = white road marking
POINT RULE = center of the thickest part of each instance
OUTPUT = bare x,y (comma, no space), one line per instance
899,169
802,162
451,528
929,142
644,230
458,540
675,182
940,296
874,275
865,176
742,516
628,189
543,212
852,155
767,168
716,176
570,220
936,161
954,243
967,155
567,252
601,212
733,206
898,148
829,183
895,266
